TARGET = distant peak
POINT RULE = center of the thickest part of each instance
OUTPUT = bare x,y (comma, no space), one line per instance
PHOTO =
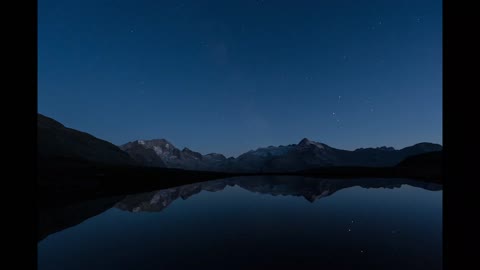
160,142
426,144
164,141
382,148
215,155
304,141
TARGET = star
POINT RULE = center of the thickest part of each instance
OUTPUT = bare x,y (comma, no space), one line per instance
339,97
333,113
380,22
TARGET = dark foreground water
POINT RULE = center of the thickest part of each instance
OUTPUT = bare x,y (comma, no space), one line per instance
254,223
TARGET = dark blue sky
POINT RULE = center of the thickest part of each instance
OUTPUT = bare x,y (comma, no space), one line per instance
230,76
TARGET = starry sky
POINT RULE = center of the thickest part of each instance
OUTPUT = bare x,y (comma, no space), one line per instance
231,76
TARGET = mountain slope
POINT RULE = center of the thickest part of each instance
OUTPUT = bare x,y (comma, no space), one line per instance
172,157
145,156
430,160
57,142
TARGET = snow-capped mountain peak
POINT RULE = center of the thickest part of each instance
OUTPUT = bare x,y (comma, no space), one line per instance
307,142
293,157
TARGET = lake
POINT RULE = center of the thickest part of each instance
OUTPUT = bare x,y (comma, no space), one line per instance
267,222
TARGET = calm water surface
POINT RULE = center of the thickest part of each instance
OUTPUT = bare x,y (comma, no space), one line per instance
256,223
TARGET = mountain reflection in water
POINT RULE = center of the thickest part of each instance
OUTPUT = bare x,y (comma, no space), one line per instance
311,189
267,222
52,220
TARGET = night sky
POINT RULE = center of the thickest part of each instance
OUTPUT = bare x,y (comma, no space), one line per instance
231,76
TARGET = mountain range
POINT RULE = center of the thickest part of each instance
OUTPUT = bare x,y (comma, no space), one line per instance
55,141
307,154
